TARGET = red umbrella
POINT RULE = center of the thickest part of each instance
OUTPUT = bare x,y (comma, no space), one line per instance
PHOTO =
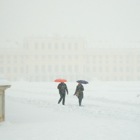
60,80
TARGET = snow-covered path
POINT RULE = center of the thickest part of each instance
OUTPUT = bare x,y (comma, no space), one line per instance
109,112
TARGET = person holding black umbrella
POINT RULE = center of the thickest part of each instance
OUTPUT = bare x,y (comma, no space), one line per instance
79,92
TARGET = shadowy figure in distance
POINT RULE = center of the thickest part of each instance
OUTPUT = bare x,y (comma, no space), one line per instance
62,87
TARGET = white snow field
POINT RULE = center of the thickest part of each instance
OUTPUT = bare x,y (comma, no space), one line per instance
109,111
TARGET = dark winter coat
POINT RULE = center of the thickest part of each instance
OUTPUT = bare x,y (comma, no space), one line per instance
79,91
62,87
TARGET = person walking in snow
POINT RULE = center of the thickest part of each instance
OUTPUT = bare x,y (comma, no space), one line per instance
62,87
79,93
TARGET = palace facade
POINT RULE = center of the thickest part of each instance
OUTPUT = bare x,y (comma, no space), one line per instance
69,58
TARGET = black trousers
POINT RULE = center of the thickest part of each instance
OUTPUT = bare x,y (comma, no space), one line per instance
80,98
62,98
80,101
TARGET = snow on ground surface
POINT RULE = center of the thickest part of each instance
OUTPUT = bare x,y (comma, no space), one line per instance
110,111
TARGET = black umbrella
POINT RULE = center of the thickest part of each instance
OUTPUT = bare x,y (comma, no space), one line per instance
82,81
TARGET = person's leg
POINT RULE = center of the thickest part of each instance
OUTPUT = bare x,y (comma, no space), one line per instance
80,101
61,97
64,99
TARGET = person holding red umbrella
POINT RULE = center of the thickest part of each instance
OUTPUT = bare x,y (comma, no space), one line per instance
62,87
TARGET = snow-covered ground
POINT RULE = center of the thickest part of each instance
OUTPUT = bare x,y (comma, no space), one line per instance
110,111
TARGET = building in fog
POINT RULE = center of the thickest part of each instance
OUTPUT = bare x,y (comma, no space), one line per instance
51,58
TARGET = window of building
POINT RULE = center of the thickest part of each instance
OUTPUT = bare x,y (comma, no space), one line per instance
63,57
55,46
139,78
49,57
115,69
121,69
36,69
43,46
8,69
100,69
36,45
64,68
107,68
49,68
1,69
27,69
69,46
15,69
69,57
138,69
70,68
138,58
49,45
63,45
56,57
43,68
76,45
94,69
36,56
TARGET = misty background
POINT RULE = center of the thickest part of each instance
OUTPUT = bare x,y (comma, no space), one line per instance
94,20
93,40
65,38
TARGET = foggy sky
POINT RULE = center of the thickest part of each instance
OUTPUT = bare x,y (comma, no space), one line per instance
105,20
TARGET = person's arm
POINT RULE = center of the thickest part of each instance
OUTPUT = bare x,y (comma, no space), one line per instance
76,90
67,89
58,86
82,88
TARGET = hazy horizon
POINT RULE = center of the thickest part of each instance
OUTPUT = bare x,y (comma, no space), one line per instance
92,20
